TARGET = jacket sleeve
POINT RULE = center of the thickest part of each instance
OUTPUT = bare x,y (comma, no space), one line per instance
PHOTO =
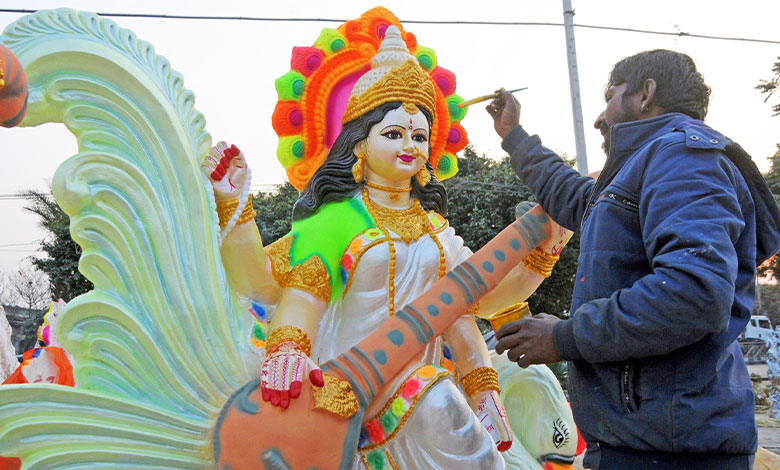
561,191
691,219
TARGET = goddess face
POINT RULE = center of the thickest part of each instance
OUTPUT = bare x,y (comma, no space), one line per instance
396,148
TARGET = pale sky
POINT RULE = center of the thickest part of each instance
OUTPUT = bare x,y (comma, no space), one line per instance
231,67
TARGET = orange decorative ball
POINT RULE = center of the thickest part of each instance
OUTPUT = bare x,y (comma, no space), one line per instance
13,89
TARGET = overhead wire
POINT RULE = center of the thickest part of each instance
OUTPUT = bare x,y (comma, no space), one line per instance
430,22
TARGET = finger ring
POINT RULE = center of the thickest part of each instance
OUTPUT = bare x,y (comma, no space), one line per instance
520,358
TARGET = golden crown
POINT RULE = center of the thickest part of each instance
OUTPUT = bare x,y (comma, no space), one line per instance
395,75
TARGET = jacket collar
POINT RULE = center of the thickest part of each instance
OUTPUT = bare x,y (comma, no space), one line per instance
630,136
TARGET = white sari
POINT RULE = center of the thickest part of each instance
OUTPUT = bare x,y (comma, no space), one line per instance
441,432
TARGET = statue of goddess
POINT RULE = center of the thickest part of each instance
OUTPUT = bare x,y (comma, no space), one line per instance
368,236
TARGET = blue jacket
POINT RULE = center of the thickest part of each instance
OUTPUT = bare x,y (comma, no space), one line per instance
671,233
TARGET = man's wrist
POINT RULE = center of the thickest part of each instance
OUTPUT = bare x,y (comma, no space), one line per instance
512,139
563,341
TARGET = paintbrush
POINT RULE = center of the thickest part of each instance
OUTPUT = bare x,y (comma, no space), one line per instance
487,97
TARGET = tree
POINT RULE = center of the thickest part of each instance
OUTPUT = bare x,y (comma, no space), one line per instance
274,212
27,287
6,295
770,303
770,86
62,260
771,267
482,200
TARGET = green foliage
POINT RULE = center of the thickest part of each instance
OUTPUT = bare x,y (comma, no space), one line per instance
771,267
770,86
274,212
482,197
482,200
62,260
768,302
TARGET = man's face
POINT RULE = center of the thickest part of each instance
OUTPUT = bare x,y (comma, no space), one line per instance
620,108
601,125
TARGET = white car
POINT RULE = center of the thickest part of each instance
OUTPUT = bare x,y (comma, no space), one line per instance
759,327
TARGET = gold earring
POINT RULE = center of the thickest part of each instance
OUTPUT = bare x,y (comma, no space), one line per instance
423,176
358,169
643,108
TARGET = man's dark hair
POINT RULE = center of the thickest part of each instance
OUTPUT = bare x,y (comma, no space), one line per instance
680,88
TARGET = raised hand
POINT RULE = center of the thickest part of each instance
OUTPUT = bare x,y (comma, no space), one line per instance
560,236
227,170
556,243
505,111
490,411
281,377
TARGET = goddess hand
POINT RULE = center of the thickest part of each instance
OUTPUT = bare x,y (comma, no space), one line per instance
560,236
282,374
557,241
490,411
227,170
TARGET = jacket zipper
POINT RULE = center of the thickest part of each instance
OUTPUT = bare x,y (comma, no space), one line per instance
591,201
626,390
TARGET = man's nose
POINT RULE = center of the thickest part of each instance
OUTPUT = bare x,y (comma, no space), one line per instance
602,118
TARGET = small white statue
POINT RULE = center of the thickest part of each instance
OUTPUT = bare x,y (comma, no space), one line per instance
773,361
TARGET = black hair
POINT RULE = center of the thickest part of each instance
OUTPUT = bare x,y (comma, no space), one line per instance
333,181
680,88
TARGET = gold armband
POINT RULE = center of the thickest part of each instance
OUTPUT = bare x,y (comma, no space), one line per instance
226,208
311,276
539,262
292,334
480,380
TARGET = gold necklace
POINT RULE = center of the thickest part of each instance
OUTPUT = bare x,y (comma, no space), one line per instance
395,193
410,224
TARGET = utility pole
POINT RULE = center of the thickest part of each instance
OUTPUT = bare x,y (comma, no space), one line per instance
574,87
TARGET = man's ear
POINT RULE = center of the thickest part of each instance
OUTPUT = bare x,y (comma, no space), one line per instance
648,95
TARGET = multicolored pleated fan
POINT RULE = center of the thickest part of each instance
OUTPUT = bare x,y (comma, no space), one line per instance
314,94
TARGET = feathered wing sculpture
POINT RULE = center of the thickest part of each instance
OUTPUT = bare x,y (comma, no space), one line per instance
160,343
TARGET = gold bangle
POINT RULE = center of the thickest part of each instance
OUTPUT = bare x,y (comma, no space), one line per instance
539,262
248,213
480,380
226,208
473,310
286,333
225,211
